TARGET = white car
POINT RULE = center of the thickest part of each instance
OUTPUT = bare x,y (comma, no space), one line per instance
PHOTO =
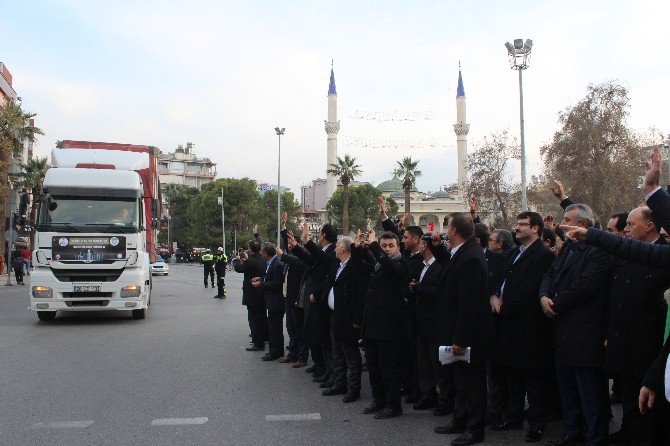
159,267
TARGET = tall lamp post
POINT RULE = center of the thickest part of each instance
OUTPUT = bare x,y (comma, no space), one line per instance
519,55
279,133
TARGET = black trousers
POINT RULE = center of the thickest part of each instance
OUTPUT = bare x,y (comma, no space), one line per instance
276,333
660,428
470,384
295,318
585,397
258,324
498,397
637,425
408,358
220,283
383,361
209,272
431,374
522,382
347,362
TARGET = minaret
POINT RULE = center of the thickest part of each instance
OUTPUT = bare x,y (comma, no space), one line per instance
461,129
332,128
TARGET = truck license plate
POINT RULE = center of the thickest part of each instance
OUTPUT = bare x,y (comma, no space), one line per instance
86,289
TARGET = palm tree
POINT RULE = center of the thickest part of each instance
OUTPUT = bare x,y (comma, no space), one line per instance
406,169
347,170
16,129
31,179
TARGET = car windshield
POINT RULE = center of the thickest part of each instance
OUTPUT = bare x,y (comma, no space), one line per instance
88,214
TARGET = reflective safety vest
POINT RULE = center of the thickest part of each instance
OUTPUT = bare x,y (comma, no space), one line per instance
223,257
207,258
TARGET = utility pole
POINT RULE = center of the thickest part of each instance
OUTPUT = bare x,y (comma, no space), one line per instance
279,133
10,208
223,225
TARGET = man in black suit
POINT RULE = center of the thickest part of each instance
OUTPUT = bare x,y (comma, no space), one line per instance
636,325
272,284
316,327
431,374
342,296
497,383
523,332
466,320
383,322
252,265
574,295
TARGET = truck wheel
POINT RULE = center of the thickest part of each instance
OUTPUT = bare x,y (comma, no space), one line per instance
46,315
140,314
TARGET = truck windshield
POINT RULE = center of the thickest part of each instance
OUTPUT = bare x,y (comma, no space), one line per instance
88,214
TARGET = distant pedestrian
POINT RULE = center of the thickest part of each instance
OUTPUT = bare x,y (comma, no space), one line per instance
26,255
17,265
220,268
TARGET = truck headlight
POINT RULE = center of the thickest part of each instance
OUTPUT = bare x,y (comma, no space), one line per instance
40,292
131,291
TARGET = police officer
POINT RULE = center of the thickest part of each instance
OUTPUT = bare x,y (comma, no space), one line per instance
220,268
207,261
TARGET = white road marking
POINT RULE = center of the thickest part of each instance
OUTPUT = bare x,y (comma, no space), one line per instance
81,424
294,417
178,421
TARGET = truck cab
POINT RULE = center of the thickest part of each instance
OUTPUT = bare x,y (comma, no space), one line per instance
91,236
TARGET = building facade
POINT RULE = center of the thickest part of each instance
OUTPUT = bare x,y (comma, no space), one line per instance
184,167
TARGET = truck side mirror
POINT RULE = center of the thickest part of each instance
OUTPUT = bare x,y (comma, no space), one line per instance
154,224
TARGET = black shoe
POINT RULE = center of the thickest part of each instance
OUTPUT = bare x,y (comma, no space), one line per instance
254,348
411,399
443,411
334,391
387,412
350,397
326,385
322,379
534,435
468,438
310,369
218,297
424,403
376,406
507,426
450,428
270,357
568,441
619,437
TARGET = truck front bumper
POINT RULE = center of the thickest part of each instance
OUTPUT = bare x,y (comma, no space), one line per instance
107,295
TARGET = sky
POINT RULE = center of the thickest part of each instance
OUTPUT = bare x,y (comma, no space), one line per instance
224,74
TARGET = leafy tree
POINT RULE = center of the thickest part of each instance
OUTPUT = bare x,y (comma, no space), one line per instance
490,178
407,170
31,178
347,170
595,153
267,215
363,208
240,206
16,130
178,197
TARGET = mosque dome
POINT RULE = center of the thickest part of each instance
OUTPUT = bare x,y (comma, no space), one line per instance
393,185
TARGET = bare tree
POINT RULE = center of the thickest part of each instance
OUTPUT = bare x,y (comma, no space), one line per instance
490,178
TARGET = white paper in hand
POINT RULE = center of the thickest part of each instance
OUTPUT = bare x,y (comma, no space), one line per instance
446,355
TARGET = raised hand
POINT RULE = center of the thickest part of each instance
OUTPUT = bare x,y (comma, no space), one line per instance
290,240
575,232
382,208
306,235
558,191
357,240
372,236
474,204
653,168
403,220
278,251
255,229
284,219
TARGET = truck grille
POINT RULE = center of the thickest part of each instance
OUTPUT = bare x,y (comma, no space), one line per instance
88,275
87,294
87,303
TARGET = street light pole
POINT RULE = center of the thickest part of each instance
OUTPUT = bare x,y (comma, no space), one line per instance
223,225
519,55
279,133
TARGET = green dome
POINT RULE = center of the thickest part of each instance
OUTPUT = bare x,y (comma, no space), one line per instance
393,185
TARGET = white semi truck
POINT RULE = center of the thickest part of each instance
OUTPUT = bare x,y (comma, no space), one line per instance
95,230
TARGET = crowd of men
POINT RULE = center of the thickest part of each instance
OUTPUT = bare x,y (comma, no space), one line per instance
538,319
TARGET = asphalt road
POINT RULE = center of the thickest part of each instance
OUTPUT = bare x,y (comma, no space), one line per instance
180,377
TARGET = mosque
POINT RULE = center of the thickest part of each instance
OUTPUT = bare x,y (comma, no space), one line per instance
428,210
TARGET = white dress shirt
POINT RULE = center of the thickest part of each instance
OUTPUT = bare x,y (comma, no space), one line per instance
454,249
426,265
331,294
